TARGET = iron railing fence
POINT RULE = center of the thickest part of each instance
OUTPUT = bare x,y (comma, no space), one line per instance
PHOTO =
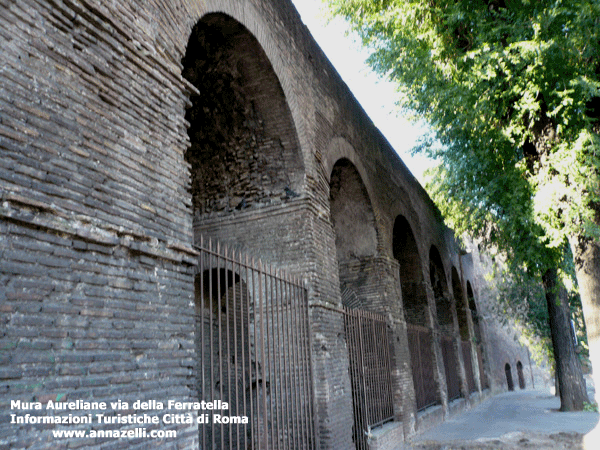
466,352
451,368
370,357
253,344
421,356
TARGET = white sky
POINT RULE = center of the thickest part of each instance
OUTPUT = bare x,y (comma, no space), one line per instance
376,96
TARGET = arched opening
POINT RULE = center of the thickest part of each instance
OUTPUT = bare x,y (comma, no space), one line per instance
463,329
243,151
520,375
437,277
225,351
355,236
461,308
414,300
509,378
367,338
479,347
414,296
244,154
439,284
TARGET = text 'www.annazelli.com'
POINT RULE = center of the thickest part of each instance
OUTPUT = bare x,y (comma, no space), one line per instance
116,434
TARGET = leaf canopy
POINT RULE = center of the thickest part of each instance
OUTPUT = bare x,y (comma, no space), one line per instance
511,90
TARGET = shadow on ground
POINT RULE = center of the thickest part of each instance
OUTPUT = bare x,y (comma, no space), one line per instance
510,421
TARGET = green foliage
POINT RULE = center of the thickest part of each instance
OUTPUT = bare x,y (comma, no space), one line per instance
590,407
521,298
511,90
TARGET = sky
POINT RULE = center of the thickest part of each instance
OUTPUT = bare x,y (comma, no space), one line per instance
376,96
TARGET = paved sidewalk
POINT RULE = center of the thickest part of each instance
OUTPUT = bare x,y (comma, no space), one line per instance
511,420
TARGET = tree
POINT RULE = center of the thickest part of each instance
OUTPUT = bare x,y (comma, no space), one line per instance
511,91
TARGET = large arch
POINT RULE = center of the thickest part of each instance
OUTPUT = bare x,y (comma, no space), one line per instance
244,151
478,336
406,252
439,284
461,308
463,330
355,230
416,313
445,318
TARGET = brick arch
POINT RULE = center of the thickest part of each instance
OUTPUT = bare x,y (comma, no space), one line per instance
355,231
244,150
461,308
474,313
406,252
351,213
439,284
253,20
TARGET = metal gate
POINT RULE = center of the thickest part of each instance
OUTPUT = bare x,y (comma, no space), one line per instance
466,352
370,372
421,357
451,367
253,345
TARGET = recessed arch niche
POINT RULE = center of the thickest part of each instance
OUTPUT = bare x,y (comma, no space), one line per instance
414,301
479,347
406,252
354,225
244,151
439,284
443,303
461,307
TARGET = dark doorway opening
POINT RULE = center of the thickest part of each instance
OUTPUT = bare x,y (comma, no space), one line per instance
520,375
509,378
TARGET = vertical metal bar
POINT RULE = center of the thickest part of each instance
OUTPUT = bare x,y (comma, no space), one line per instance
295,359
276,292
227,319
285,360
311,405
220,324
262,345
305,374
360,379
354,377
270,338
245,345
388,352
237,328
267,339
287,364
376,375
387,386
212,318
275,378
372,387
202,321
314,425
362,366
243,328
250,286
291,378
255,278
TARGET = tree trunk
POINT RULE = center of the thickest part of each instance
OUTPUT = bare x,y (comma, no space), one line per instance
568,367
586,255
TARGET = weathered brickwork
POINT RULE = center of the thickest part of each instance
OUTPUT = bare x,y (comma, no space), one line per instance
128,130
